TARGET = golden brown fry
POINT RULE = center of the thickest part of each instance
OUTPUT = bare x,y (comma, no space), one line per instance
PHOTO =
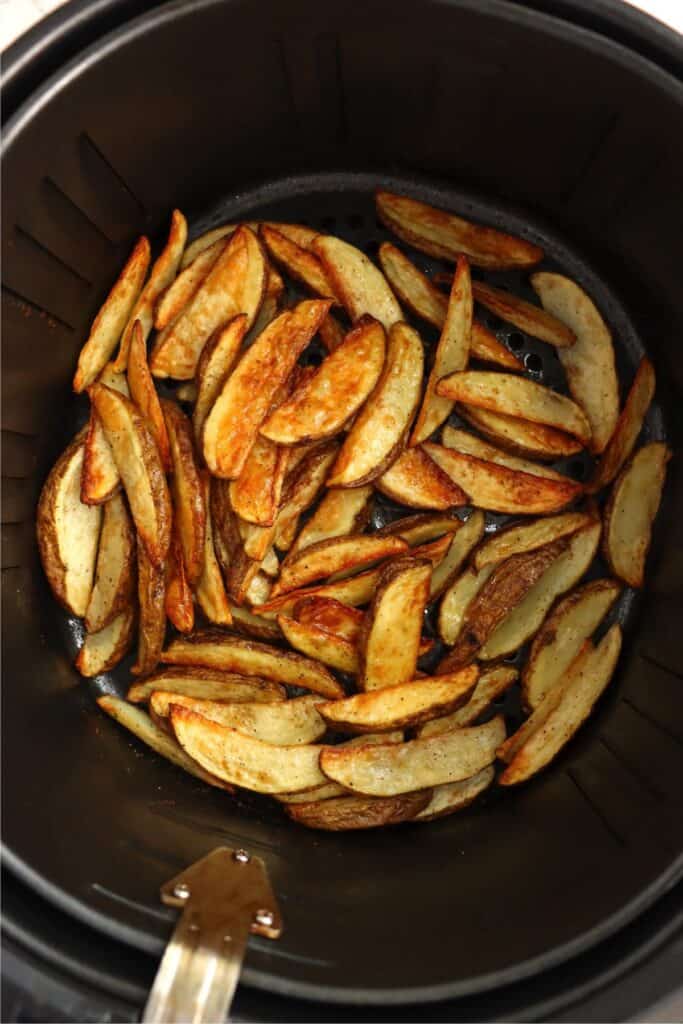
301,264
459,547
347,813
457,599
303,484
320,644
256,493
340,512
152,618
186,491
318,561
284,723
529,535
357,282
104,649
210,591
528,318
415,480
390,638
144,394
468,444
100,478
492,683
215,363
629,425
114,585
186,285
178,599
521,437
422,527
331,333
207,684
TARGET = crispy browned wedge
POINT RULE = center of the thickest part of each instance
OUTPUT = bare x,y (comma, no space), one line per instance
303,484
454,796
378,433
112,318
528,536
244,760
178,600
415,480
297,261
152,616
355,591
238,568
161,276
452,354
320,644
144,393
457,600
390,638
68,531
350,813
256,540
271,305
517,396
389,769
300,234
186,285
250,623
235,654
589,363
321,406
331,333
235,284
357,282
507,586
631,510
198,245
215,363
186,491
467,443
284,723
629,425
138,461
318,561
104,649
247,395
491,684
459,548
521,437
529,318
115,571
583,685
341,511
141,725
207,684
423,527
100,478
500,489
210,590
446,236
256,493
330,615
562,635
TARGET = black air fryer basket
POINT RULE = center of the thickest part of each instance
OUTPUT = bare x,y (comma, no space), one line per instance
561,121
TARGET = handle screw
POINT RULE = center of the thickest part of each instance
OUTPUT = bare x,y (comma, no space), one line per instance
265,918
241,856
182,891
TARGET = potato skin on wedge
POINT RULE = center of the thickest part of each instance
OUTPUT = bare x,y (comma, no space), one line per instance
116,566
104,649
349,813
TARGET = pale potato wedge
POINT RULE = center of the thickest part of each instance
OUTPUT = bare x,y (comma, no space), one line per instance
517,396
528,536
297,261
234,421
378,433
318,561
243,760
583,685
457,600
256,540
207,684
327,790
492,683
186,285
521,437
238,568
221,233
631,511
139,463
589,363
454,796
250,623
423,527
235,654
152,613
210,590
104,649
112,318
562,635
271,564
304,482
111,378
390,638
186,490
630,423
284,723
498,488
68,531
340,512
354,591
141,725
468,444
235,284
259,589
178,600
320,644
256,493
459,548
144,393
350,813
100,478
446,236
526,618
331,333
390,769
357,282
528,318
415,480
114,585
215,363
300,234
452,354
322,405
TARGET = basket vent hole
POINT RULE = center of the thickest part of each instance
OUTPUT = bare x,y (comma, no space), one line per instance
533,362
516,341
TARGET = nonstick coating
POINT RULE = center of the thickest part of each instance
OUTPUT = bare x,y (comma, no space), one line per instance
511,886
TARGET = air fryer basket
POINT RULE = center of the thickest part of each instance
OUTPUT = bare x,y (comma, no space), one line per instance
298,110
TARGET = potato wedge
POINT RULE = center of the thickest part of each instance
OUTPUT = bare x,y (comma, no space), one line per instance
215,363
246,397
210,590
517,396
112,318
207,684
141,725
631,510
630,422
459,548
446,236
562,635
589,363
318,561
152,617
330,615
320,407
259,589
256,493
454,796
271,564
100,478
235,284
583,685
415,480
422,527
354,591
198,245
271,306
468,444
297,261
250,623
357,282
390,769
528,536
492,683
328,790
144,393
303,483
178,601
238,568
498,488
68,531
186,491
452,354
523,622
114,585
243,760
320,644
378,433
331,333
104,649
521,437
300,234
390,639
528,318
284,723
186,285
457,600
340,512
350,813
138,461
234,654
